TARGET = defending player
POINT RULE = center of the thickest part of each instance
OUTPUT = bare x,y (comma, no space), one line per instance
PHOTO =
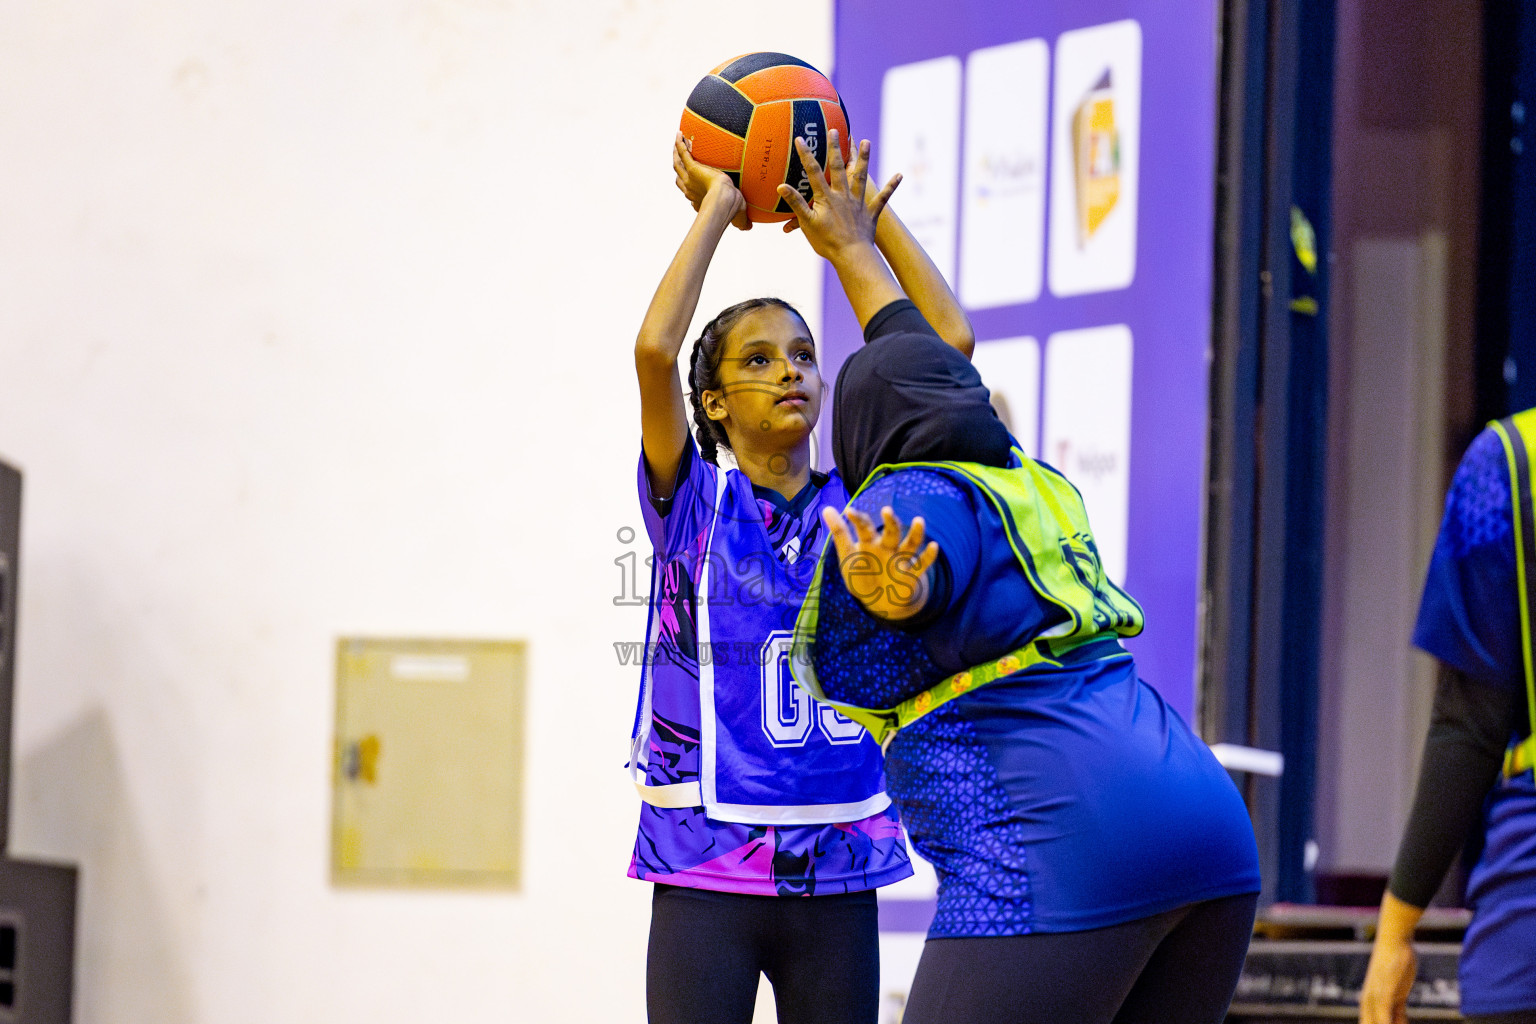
1475,617
1095,862
765,827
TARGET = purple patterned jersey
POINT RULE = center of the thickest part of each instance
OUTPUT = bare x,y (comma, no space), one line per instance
684,846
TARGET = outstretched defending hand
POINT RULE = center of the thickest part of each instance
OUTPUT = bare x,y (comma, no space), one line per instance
837,216
696,181
887,572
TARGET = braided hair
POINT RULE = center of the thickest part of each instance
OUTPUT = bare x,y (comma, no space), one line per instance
704,371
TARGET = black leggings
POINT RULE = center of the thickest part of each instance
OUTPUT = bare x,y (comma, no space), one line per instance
1181,966
820,953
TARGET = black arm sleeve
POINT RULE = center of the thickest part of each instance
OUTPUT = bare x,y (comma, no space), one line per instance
899,317
1471,725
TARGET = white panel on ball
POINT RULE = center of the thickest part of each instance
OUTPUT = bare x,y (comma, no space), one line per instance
1088,429
1002,211
920,139
1095,155
1010,368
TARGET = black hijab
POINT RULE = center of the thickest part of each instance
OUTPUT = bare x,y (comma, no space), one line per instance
908,397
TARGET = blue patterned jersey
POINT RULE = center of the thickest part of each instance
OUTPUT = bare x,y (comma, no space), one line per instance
1055,799
685,846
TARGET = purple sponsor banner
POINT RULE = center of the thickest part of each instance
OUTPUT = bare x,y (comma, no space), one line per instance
1164,296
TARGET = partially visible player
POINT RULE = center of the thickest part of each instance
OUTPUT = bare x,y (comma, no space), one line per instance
1096,864
765,827
1476,771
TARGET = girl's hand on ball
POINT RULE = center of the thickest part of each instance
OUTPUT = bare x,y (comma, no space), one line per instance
696,181
870,196
837,215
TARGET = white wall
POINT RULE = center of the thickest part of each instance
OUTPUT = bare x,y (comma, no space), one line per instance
316,321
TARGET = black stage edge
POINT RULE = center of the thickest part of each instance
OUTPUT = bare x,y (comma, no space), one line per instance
1307,963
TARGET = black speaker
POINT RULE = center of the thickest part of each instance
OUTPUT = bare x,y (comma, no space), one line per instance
37,942
37,901
10,537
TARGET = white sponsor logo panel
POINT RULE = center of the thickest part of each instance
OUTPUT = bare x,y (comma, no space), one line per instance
1088,429
1095,154
920,138
1011,370
1002,210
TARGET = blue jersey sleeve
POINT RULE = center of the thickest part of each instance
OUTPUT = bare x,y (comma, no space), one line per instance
673,522
1469,614
948,519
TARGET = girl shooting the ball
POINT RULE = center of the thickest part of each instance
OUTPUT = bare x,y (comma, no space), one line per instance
765,825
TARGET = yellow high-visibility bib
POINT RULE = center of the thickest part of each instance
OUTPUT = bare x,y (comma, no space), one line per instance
1047,527
1518,432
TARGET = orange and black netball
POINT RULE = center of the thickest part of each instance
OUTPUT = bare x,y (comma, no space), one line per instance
744,116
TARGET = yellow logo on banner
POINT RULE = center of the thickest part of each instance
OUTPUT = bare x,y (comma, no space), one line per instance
1095,158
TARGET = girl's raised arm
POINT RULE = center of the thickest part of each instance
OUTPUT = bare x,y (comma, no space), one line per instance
840,226
663,415
923,283
915,272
